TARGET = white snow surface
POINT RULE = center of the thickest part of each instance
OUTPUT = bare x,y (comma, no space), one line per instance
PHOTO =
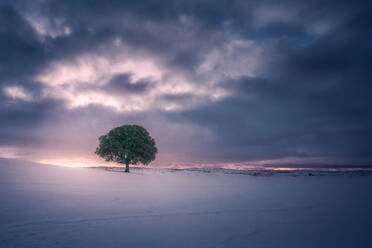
50,206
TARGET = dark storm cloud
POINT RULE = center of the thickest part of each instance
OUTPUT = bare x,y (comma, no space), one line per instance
21,52
21,55
122,83
313,101
310,97
20,120
267,121
178,98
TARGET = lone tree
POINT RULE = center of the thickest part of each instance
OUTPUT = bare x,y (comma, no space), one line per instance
128,144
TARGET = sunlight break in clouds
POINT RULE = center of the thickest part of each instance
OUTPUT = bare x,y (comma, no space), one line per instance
80,81
91,69
9,152
16,92
44,28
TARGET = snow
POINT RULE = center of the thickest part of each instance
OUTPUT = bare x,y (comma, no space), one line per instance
50,206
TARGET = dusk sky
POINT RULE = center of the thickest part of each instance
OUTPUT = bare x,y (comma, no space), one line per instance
214,82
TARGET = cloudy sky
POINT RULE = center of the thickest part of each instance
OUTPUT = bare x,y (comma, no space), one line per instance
242,81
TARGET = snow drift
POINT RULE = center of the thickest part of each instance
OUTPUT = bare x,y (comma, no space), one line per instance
49,206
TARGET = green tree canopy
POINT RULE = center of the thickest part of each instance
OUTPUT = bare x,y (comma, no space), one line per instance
128,144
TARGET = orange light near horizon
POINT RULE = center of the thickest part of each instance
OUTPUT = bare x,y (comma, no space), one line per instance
75,163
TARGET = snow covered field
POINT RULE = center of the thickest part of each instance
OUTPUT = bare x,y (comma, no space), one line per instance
48,206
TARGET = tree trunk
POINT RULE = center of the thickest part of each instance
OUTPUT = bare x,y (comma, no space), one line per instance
127,167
